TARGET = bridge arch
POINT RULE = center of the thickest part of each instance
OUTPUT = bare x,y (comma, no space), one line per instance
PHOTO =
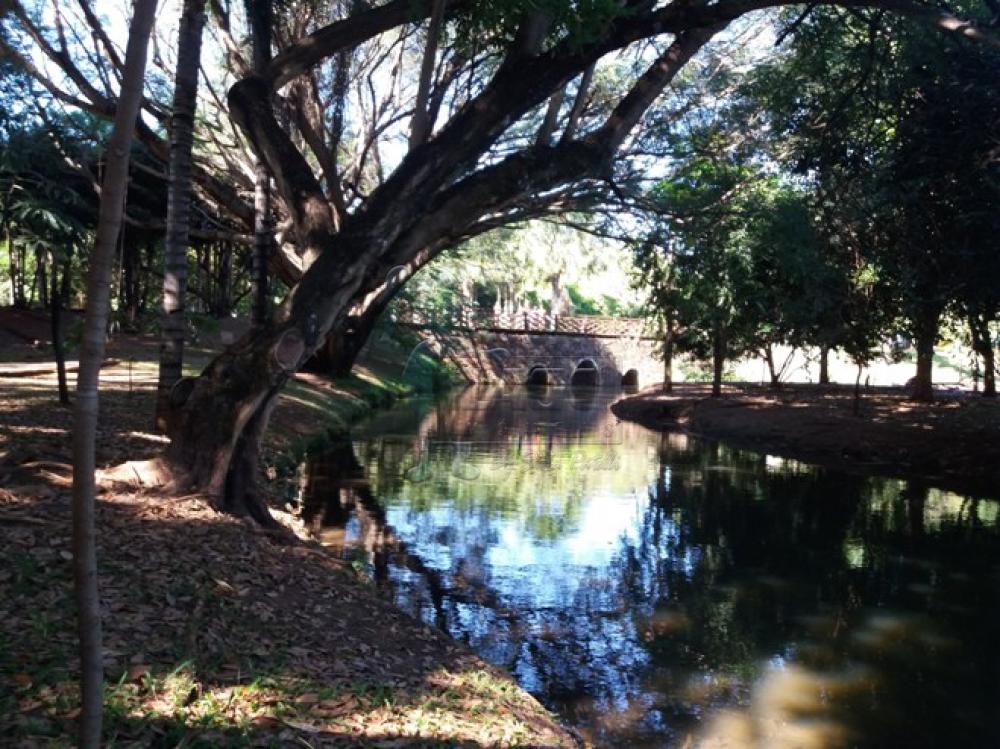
586,374
630,380
538,375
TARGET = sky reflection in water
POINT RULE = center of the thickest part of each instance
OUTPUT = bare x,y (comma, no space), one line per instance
664,591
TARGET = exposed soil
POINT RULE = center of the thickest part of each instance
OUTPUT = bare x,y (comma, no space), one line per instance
216,633
954,442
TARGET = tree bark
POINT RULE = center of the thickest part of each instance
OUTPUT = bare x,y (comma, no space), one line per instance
174,320
926,335
58,297
824,365
113,188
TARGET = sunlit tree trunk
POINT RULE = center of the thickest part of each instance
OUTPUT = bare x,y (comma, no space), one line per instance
420,124
101,260
174,323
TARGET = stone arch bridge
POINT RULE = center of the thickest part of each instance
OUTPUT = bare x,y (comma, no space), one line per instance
540,349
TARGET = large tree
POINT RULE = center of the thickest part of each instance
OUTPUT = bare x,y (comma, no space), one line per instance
530,106
481,162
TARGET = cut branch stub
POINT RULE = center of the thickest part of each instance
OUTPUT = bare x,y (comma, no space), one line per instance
181,391
289,350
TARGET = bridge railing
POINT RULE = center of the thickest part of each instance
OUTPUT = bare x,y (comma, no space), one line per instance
541,321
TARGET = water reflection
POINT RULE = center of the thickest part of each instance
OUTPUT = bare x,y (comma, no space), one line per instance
659,590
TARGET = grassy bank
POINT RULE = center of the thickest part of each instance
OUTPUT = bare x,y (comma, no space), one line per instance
215,634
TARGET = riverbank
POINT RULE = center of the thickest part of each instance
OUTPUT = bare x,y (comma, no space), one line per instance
954,442
215,634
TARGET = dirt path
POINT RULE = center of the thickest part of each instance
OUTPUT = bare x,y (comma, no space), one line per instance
954,442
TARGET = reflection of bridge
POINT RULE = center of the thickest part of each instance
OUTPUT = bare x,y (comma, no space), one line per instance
537,348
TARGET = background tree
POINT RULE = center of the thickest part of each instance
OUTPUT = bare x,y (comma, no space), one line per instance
182,125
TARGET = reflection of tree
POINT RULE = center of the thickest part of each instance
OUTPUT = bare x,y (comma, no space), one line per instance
733,561
336,493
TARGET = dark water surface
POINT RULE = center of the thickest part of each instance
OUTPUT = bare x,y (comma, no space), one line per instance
657,590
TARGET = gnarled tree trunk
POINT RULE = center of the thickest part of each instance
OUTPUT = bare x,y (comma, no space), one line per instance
439,195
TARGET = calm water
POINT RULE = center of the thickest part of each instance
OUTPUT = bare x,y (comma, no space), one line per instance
656,590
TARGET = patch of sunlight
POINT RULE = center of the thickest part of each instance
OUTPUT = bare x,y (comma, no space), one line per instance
36,430
855,553
888,632
790,706
677,441
150,437
784,466
944,508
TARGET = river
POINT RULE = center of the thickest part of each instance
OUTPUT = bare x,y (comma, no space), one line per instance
659,590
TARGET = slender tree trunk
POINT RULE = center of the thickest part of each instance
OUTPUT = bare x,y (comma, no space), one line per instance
16,289
927,329
824,365
224,282
771,370
989,373
857,391
40,280
58,296
130,284
982,345
175,248
718,360
259,13
85,413
668,354
20,294
420,125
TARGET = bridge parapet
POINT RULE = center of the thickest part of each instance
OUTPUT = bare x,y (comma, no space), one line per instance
539,321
